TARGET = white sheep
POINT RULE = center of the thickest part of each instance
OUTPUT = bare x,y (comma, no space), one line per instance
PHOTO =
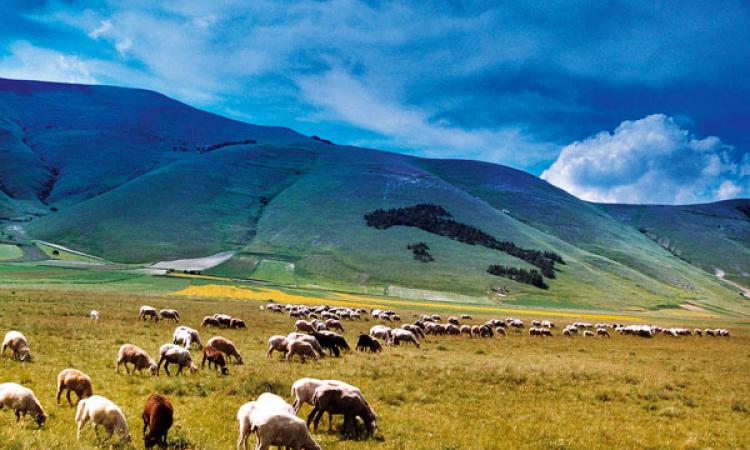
186,337
399,335
174,354
18,345
94,314
276,343
251,412
283,430
101,411
381,332
306,338
21,400
135,355
148,312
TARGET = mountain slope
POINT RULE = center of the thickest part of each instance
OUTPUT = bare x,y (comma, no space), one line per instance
713,236
133,176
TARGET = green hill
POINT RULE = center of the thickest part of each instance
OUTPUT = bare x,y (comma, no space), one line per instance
132,176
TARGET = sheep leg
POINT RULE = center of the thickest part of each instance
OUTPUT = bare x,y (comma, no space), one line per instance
80,425
311,416
70,402
203,362
179,369
166,368
330,421
59,393
18,415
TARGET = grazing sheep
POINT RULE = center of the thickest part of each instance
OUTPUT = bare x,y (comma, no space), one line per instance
225,346
157,416
536,323
253,413
588,333
186,337
135,355
283,430
169,314
101,411
210,321
306,338
73,380
303,390
466,329
602,332
366,342
500,331
333,324
237,323
417,330
340,400
304,326
174,354
381,332
94,314
276,343
534,331
474,332
453,320
214,357
302,349
698,332
22,401
331,341
18,345
148,312
225,320
398,336
547,324
465,317
486,331
516,323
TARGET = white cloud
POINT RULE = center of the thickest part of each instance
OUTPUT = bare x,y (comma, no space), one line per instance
728,190
651,160
104,27
344,97
28,62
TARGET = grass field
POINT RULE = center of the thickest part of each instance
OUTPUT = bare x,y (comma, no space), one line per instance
8,252
453,393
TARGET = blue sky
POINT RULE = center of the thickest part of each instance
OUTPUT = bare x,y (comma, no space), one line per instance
633,101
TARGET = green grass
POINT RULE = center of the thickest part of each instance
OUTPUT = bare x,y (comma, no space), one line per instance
9,251
277,272
454,392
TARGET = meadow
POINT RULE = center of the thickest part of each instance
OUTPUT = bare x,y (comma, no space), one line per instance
453,393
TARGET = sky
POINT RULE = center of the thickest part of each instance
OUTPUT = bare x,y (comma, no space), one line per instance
613,101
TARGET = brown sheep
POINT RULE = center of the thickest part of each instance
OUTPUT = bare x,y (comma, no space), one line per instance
214,357
227,347
302,349
277,343
237,323
333,324
340,400
210,321
73,380
18,345
135,355
157,419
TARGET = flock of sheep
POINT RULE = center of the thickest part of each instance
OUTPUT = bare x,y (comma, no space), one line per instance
274,421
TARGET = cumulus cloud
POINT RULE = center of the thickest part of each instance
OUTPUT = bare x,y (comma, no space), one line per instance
651,160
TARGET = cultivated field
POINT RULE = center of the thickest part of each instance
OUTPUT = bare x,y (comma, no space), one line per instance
453,393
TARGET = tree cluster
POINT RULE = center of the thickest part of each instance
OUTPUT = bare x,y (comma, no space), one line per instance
212,147
435,219
421,252
532,277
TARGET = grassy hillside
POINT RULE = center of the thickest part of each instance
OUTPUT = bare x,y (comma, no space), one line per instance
132,176
711,236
